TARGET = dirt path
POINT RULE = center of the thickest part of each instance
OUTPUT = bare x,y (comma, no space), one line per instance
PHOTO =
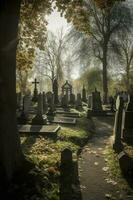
92,166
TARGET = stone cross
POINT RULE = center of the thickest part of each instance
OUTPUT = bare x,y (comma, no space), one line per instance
35,96
35,83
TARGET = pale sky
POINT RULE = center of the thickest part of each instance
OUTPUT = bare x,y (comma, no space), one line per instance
56,22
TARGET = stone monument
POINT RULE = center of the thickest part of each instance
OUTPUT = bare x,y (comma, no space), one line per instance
40,119
117,144
84,94
35,95
128,120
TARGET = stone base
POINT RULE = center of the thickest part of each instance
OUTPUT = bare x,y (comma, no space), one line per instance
46,130
39,120
63,120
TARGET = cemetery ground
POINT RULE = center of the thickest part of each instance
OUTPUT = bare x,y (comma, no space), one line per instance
42,180
96,174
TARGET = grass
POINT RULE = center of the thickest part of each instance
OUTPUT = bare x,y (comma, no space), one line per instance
45,154
114,171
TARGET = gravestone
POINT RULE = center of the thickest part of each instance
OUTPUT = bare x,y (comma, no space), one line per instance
117,144
79,101
47,130
39,119
128,120
89,101
72,99
52,109
96,105
66,157
25,110
64,101
45,104
84,94
63,120
96,101
49,96
55,91
126,163
35,95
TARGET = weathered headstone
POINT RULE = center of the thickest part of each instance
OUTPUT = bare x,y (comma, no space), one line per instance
25,110
96,101
117,144
52,109
64,101
66,175
49,96
128,121
66,157
89,101
40,119
45,104
79,101
96,105
72,99
126,163
35,95
84,94
26,104
55,91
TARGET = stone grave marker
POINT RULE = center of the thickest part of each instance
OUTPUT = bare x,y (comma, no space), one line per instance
84,99
89,101
96,105
63,120
64,101
35,95
128,121
45,104
25,110
72,99
117,144
52,109
46,130
96,101
79,101
39,119
49,96
66,157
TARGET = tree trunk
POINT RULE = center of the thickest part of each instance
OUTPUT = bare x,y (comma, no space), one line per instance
105,78
127,77
10,151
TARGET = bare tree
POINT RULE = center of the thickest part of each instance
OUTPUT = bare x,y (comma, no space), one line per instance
52,58
103,25
123,48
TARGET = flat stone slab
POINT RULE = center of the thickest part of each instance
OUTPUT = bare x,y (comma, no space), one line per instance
38,129
63,120
68,113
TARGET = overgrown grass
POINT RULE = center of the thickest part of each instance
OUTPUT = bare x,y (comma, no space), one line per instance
45,154
115,172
